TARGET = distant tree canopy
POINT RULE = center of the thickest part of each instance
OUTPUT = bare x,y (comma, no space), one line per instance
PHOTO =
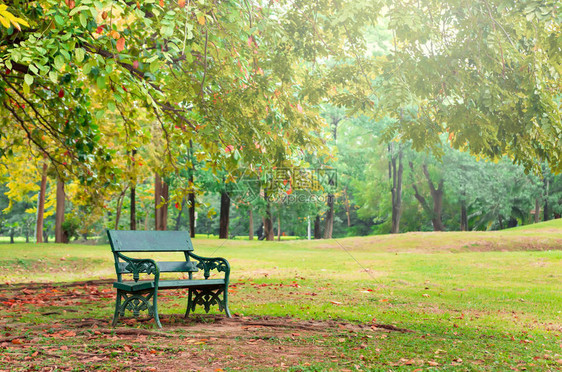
487,73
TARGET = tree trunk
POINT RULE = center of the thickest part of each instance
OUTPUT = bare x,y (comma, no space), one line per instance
59,213
225,216
267,222
437,210
546,213
191,195
191,199
12,233
347,207
133,221
161,197
396,191
133,197
317,232
41,205
329,226
251,232
537,210
464,217
119,207
436,195
279,226
330,213
164,208
45,236
157,200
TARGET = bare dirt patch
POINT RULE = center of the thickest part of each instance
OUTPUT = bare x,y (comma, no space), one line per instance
46,327
199,343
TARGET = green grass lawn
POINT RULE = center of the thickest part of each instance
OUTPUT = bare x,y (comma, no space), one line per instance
474,300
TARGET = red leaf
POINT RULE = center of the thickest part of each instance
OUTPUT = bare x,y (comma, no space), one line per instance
136,65
61,93
229,148
120,44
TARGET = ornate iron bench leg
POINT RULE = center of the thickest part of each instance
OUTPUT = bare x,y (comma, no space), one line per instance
189,303
155,308
117,309
225,299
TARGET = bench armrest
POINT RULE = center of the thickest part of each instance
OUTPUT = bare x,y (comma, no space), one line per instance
137,266
211,263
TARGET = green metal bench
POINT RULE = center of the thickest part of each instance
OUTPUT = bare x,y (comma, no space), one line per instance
139,295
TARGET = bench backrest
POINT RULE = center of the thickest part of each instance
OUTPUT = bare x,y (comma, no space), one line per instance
152,241
149,241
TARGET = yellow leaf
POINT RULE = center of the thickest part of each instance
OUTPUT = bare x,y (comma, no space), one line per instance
4,22
201,19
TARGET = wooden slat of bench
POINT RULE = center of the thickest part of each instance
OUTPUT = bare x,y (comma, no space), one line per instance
141,285
149,241
167,267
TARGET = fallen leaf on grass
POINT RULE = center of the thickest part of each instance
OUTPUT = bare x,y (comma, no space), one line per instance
336,303
432,363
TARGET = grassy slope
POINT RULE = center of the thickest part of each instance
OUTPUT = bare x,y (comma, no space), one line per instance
485,297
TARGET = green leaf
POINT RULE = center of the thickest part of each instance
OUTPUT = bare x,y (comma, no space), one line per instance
28,79
59,20
77,9
100,81
83,19
59,62
154,66
87,68
54,76
65,54
79,53
167,31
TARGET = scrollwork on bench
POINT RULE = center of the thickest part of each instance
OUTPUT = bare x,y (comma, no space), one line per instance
137,266
211,263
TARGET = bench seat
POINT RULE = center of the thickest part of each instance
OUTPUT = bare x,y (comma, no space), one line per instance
142,285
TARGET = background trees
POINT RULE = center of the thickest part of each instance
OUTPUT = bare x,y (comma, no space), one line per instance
134,107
